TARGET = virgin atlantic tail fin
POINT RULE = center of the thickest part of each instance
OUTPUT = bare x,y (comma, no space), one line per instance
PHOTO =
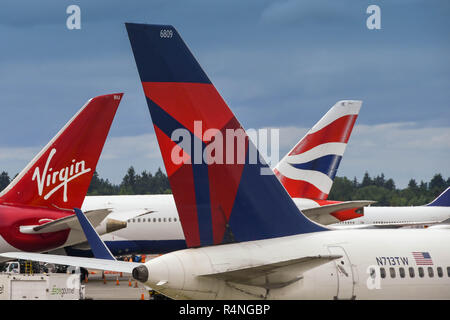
59,176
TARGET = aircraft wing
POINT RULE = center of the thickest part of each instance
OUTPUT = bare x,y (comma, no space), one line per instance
71,222
323,214
269,275
88,263
442,225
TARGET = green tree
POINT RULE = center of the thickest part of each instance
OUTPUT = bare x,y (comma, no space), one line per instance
128,184
390,185
437,185
342,189
412,185
367,181
101,186
4,180
379,181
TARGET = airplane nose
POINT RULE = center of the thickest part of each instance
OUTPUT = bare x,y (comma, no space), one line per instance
140,273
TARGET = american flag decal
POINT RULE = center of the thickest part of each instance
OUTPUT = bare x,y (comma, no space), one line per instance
422,258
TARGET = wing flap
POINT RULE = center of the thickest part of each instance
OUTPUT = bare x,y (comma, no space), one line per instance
274,275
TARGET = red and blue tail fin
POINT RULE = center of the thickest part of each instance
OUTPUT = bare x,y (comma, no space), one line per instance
220,201
59,176
308,170
443,200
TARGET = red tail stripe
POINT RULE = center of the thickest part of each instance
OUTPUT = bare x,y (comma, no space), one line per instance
337,131
189,102
300,188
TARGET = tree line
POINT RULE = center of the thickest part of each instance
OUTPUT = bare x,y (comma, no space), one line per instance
384,191
377,188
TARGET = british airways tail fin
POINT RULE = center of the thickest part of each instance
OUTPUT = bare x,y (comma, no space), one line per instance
59,176
220,193
443,200
308,170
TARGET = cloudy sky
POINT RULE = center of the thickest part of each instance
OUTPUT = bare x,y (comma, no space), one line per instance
279,64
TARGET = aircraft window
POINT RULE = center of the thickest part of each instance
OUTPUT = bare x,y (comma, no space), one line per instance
448,271
421,273
143,220
159,219
170,219
164,219
402,272
392,272
138,220
411,272
431,272
175,219
133,220
383,273
439,272
154,219
149,220
372,273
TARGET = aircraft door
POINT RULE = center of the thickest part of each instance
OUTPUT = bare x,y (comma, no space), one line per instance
344,274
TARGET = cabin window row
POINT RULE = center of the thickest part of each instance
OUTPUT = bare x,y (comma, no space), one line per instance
153,220
411,272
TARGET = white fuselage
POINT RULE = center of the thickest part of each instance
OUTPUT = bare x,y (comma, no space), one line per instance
419,215
189,273
160,231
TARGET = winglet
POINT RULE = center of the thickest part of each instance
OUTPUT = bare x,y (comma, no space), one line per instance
443,200
98,247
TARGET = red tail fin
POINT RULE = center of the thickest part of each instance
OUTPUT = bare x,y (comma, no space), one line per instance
59,176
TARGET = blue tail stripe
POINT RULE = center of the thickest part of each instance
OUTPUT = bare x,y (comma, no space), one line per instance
328,165
201,185
168,125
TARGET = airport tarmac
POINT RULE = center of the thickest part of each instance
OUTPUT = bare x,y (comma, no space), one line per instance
98,288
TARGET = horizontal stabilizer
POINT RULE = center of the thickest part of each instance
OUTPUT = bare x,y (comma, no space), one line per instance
273,275
88,263
98,247
324,214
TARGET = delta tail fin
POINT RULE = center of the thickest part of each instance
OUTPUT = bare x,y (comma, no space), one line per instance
220,192
308,170
59,176
443,200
